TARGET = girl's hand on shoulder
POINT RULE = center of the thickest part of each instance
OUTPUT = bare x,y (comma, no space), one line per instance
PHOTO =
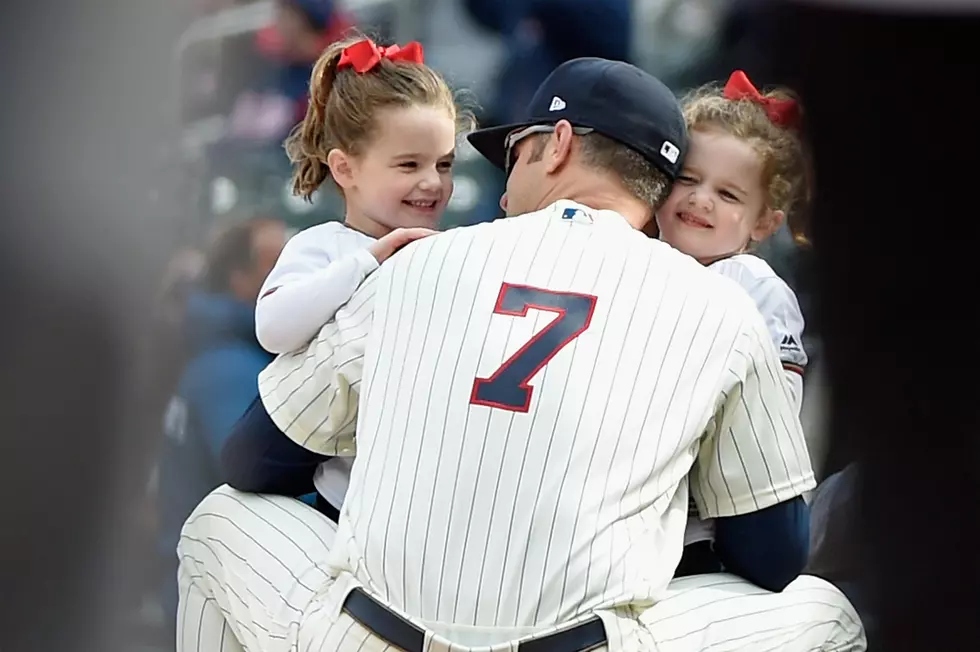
385,247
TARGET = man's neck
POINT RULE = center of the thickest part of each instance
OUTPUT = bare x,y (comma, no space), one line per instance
602,195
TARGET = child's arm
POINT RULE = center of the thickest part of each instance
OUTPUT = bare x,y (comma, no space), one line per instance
778,304
304,290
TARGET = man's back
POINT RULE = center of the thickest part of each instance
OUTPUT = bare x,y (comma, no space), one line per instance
479,498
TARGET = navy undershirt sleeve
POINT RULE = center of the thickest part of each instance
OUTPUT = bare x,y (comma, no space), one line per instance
768,547
259,458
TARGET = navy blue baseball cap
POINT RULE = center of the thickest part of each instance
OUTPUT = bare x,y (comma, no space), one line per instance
612,98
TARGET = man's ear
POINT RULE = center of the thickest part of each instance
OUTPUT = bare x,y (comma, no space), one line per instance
559,149
341,168
768,223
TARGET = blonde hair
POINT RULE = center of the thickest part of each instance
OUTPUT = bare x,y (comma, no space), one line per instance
786,168
343,106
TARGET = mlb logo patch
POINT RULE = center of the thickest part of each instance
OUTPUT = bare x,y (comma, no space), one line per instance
670,151
576,214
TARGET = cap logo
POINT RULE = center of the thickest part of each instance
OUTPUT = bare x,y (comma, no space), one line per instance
670,151
557,104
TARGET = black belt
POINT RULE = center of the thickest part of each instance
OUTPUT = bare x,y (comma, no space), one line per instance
397,631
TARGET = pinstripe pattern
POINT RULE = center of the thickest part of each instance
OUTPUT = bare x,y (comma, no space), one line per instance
781,311
256,561
723,613
253,579
676,369
200,623
485,525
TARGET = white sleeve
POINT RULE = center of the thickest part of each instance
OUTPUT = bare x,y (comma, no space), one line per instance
775,300
784,319
303,291
753,454
312,394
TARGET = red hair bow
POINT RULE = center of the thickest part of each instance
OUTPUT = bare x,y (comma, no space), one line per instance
365,55
784,113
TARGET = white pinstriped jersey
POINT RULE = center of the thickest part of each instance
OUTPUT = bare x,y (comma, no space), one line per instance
307,254
530,396
784,319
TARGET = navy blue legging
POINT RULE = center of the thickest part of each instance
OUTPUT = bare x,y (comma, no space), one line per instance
257,457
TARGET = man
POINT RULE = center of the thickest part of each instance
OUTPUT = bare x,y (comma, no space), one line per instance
535,392
217,382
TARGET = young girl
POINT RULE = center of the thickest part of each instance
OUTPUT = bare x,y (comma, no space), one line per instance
744,175
382,126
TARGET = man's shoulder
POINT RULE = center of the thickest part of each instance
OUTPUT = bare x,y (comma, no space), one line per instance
747,266
725,293
750,271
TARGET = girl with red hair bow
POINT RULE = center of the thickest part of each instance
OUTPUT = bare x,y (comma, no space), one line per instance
382,127
745,175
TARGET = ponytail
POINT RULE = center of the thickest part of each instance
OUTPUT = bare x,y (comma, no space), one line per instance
344,103
309,142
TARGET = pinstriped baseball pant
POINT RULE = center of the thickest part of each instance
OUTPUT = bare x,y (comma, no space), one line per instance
252,569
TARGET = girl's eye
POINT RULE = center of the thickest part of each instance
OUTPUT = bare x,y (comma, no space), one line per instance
446,166
685,179
728,196
408,165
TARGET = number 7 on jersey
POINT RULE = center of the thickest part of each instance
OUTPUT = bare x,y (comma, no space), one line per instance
507,388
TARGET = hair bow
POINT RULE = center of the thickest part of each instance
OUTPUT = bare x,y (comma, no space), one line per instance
782,112
365,55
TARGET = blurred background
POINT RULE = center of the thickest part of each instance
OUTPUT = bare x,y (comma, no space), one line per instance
144,194
241,69
190,142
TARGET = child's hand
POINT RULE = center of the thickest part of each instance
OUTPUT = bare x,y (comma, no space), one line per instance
389,244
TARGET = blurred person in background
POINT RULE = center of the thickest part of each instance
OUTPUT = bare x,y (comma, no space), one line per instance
167,338
834,523
739,43
539,35
301,31
218,380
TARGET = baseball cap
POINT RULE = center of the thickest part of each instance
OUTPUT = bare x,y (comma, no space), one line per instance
613,98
